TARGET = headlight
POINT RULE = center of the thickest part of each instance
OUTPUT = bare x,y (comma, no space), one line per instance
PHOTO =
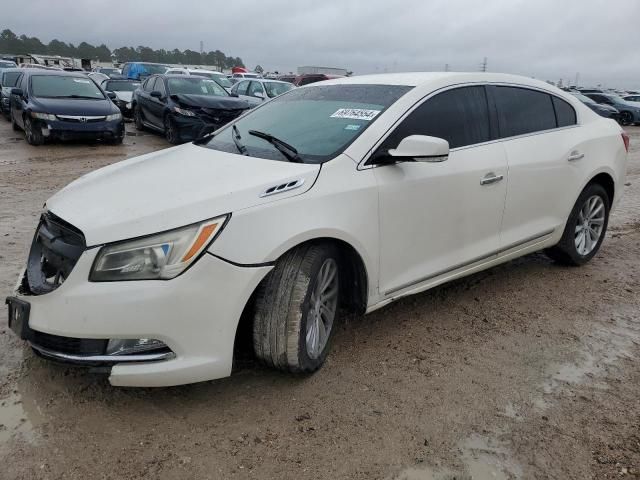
157,257
43,116
129,106
114,116
183,111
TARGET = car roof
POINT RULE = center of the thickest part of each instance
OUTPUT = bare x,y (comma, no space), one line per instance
415,79
53,73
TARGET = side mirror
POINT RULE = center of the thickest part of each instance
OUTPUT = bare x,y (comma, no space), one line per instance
156,94
111,95
233,94
421,148
17,91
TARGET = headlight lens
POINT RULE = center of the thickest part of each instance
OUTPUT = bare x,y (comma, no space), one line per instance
157,257
183,111
43,116
114,116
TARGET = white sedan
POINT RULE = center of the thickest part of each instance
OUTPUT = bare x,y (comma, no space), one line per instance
258,90
351,193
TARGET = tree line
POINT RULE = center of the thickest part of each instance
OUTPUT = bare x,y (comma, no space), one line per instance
10,43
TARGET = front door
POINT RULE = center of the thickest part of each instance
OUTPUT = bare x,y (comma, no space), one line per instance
436,218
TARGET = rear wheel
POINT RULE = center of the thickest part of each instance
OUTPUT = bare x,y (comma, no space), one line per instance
32,132
585,229
170,130
296,308
626,118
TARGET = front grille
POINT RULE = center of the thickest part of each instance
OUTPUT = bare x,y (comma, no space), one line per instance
80,119
55,249
69,345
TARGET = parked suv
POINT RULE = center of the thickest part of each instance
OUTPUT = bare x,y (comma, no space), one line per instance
352,193
49,104
184,107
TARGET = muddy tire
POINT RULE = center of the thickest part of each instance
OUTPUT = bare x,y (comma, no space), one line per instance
586,228
137,118
32,133
295,309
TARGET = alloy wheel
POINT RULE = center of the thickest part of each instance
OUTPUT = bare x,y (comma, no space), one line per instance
322,308
590,224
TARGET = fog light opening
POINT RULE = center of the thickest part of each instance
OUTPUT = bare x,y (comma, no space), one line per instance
135,345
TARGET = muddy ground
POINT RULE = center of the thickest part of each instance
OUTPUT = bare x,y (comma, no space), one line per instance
529,370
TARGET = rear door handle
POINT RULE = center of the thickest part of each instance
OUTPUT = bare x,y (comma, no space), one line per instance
575,156
491,178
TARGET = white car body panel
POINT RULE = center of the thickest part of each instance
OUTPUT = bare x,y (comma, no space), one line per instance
414,225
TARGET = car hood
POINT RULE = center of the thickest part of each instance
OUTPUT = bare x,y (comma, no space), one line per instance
73,106
210,101
124,96
172,188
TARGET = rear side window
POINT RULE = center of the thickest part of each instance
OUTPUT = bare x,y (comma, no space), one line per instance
460,116
522,111
565,114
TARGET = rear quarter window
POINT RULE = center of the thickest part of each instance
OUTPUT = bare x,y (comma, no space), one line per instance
565,114
522,111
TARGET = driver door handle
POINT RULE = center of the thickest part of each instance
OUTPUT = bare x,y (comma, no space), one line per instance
491,178
575,156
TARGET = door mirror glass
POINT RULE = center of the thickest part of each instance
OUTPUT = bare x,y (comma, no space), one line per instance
156,94
17,91
421,148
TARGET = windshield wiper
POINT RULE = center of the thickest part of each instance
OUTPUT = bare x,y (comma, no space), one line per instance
235,134
283,147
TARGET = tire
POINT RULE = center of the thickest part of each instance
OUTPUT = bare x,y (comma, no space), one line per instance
14,125
570,250
170,130
117,140
32,133
137,118
626,118
288,306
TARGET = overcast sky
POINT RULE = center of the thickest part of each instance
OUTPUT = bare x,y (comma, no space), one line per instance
546,39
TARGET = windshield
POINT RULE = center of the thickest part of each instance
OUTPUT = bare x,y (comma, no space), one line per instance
108,71
9,79
582,98
195,86
319,122
57,86
275,88
7,65
220,79
120,86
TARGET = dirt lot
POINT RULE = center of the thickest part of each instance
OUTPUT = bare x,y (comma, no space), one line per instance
529,370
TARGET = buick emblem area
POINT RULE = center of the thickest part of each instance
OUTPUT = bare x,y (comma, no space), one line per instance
55,249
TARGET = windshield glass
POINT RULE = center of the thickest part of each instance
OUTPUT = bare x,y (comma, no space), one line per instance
275,88
582,98
220,79
120,86
57,86
151,69
9,79
195,86
108,71
4,64
319,122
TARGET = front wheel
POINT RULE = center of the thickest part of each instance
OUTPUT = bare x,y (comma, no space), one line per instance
296,308
585,229
137,118
32,133
170,130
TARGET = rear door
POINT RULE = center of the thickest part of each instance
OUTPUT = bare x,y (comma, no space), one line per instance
439,218
544,148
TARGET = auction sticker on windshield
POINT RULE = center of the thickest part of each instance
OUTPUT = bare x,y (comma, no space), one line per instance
356,114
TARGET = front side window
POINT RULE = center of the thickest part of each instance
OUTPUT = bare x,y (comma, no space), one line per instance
195,86
57,86
10,79
255,88
522,111
319,122
460,116
147,86
159,86
242,87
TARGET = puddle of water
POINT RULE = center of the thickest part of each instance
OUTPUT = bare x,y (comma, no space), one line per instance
483,459
18,418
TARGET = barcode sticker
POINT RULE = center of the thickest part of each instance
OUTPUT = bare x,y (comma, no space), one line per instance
356,114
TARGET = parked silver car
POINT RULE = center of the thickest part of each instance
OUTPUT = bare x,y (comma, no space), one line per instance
258,90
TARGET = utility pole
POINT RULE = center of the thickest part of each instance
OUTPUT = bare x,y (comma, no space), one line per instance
446,67
201,52
577,80
483,65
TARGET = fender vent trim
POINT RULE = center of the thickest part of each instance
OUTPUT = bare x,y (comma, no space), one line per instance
283,187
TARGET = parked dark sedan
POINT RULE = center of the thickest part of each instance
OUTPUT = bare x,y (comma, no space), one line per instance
601,109
629,113
63,105
184,107
8,80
